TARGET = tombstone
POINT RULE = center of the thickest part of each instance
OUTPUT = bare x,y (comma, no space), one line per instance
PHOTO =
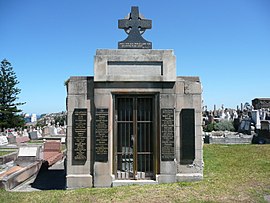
52,152
28,154
52,130
3,140
245,126
33,135
11,138
46,130
39,133
134,121
265,125
28,151
255,115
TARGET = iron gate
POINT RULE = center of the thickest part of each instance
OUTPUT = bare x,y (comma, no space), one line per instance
134,119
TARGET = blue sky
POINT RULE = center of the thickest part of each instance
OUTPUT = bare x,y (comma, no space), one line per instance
225,42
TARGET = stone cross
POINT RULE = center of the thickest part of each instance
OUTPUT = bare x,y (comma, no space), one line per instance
134,26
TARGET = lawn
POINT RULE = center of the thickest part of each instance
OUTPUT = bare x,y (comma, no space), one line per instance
232,173
6,151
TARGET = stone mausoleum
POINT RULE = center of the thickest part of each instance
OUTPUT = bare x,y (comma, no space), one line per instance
134,121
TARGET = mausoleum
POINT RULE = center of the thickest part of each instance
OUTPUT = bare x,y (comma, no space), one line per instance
134,121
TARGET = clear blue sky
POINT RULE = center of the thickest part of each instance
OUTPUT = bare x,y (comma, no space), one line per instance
225,42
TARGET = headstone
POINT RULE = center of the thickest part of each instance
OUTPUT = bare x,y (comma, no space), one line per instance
28,154
27,151
25,133
33,135
245,126
265,125
46,130
256,118
11,139
3,140
52,130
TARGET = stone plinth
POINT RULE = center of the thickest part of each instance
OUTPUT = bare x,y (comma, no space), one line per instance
135,65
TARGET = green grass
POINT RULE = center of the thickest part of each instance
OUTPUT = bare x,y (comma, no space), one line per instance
5,152
233,173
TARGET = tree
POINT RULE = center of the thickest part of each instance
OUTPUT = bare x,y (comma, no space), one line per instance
9,113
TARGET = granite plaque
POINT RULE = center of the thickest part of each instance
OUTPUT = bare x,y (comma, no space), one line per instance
101,138
187,136
167,134
79,137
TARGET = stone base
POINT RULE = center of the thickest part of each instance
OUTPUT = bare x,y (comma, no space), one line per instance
132,182
79,181
102,176
166,178
188,177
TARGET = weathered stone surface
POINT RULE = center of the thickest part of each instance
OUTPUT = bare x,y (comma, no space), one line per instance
168,167
134,65
192,88
79,181
80,96
102,175
167,101
166,178
133,72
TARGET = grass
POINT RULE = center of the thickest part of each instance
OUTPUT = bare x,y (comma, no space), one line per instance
233,173
6,151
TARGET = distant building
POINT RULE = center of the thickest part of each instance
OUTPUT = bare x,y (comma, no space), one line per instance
33,118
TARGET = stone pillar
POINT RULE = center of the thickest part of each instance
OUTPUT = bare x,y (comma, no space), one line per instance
79,131
188,95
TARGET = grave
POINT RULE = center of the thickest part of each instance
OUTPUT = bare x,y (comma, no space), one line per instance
52,152
26,165
134,121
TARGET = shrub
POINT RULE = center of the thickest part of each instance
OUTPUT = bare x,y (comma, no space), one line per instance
210,127
224,125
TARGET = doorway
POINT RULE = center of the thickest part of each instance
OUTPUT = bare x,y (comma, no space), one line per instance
135,137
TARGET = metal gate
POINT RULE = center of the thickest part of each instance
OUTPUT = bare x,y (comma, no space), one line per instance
134,119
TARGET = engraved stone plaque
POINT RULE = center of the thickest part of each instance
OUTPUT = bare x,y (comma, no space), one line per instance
79,137
101,135
167,134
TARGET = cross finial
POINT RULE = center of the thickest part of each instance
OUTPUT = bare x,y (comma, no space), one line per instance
135,25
